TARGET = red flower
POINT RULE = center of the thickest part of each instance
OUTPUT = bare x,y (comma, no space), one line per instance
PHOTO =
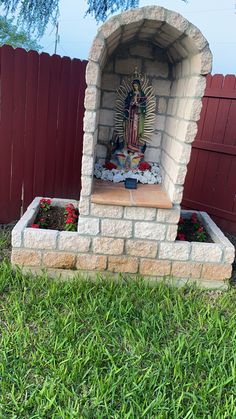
144,166
35,225
181,236
109,165
200,230
69,220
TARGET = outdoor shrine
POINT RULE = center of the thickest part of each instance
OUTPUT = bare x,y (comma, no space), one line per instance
145,77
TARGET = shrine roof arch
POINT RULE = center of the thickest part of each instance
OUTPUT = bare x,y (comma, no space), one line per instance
164,28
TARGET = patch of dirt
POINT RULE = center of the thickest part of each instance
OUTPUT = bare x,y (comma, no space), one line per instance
53,219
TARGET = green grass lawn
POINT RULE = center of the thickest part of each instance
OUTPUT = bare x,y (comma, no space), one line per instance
104,349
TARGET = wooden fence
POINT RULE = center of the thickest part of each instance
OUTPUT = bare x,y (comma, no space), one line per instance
41,130
41,133
210,183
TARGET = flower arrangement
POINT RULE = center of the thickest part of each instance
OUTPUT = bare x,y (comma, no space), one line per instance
45,204
71,218
52,217
191,229
145,173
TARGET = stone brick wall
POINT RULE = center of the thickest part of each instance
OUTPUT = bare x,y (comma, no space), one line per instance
125,240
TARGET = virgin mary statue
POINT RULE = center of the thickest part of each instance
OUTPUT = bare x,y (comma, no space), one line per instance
134,116
134,121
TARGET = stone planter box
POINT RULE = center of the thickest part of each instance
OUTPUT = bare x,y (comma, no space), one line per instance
149,257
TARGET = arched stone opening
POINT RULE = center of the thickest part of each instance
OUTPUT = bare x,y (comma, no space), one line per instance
176,58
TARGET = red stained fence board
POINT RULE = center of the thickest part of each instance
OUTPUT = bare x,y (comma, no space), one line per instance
210,183
41,128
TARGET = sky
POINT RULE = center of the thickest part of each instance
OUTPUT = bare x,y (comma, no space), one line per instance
215,18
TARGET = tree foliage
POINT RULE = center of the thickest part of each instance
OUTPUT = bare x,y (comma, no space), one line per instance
11,35
36,14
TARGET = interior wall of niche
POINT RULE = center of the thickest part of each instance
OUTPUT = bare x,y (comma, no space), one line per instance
150,60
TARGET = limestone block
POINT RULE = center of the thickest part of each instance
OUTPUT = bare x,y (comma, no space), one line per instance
189,45
109,27
186,131
25,257
101,151
145,51
202,63
162,87
108,100
88,144
194,33
90,121
139,213
160,122
171,232
174,251
186,270
88,226
177,21
153,155
16,237
126,65
114,37
91,262
196,86
229,254
123,264
60,260
84,205
186,67
87,165
206,252
40,238
172,107
162,105
181,108
154,267
171,215
216,271
180,152
110,81
155,140
171,126
104,133
180,50
105,211
86,183
156,69
142,248
116,228
108,246
106,117
193,109
97,50
149,230
132,16
33,205
93,74
175,192
92,98
155,13
72,241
